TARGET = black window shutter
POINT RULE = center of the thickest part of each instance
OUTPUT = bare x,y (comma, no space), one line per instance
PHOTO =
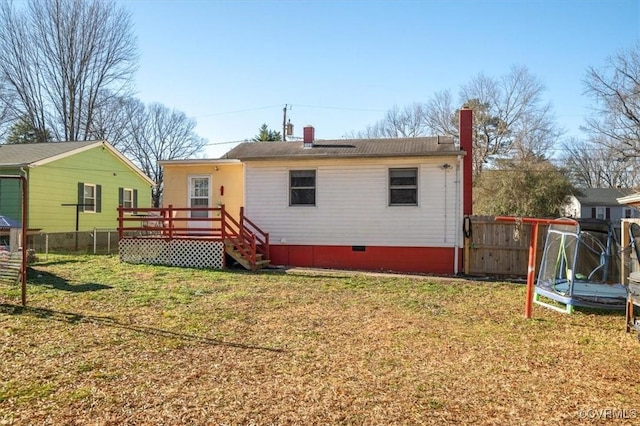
120,197
608,213
593,212
135,198
98,198
80,196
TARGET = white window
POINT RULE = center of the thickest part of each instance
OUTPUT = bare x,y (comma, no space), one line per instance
302,188
89,201
403,187
600,213
127,198
199,194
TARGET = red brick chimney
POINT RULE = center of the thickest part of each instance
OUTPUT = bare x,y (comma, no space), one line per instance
466,145
308,133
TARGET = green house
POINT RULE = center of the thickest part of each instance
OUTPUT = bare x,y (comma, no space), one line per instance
71,185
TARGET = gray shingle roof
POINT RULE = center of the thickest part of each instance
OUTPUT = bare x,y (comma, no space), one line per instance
24,154
402,147
602,196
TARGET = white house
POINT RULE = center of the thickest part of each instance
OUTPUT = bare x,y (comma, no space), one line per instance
392,204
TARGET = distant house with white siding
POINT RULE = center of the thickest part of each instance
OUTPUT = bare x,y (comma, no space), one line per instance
386,204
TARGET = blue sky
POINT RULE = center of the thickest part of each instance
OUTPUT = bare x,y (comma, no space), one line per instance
233,65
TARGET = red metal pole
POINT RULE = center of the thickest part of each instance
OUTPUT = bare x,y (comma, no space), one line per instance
25,226
533,250
531,271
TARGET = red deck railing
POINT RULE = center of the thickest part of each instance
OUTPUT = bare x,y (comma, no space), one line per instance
210,223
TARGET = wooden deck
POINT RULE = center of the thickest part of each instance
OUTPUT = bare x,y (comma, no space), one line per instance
157,230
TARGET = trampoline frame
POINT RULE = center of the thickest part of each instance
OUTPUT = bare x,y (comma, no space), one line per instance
572,291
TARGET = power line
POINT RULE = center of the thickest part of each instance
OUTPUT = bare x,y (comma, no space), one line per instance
238,111
340,108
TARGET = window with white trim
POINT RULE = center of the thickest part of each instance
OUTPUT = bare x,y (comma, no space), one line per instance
601,213
89,197
89,200
403,187
199,194
302,187
127,198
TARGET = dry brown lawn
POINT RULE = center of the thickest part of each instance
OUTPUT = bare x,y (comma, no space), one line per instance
106,343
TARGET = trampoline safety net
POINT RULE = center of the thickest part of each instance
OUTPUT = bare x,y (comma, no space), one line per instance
581,265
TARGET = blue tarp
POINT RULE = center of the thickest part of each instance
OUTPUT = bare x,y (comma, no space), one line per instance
7,222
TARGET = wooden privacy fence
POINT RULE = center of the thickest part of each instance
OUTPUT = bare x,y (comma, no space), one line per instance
500,248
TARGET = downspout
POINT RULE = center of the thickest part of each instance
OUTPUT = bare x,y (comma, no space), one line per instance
457,225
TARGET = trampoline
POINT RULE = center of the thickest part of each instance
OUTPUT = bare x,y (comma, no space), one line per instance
581,267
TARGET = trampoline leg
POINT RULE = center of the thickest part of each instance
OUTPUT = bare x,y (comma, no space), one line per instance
568,309
629,314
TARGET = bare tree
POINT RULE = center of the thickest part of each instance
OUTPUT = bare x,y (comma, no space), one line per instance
616,90
408,122
592,164
112,119
58,56
440,114
510,119
157,133
6,116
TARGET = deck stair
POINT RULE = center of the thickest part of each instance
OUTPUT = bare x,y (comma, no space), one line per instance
246,243
241,254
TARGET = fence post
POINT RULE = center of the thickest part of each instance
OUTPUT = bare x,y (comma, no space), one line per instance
223,223
120,223
170,212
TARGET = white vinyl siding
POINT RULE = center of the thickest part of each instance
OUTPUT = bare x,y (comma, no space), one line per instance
352,198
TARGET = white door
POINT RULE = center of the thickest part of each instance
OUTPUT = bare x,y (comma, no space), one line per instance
199,196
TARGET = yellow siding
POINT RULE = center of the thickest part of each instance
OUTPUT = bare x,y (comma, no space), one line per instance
229,176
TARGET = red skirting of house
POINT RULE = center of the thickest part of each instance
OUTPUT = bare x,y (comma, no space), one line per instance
434,260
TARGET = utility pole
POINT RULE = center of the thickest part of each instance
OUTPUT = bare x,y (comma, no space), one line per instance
284,123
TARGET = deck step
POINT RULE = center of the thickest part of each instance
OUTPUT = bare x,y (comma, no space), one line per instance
242,260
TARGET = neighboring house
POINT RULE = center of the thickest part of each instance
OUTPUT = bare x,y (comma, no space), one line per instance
71,185
388,204
600,203
632,201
